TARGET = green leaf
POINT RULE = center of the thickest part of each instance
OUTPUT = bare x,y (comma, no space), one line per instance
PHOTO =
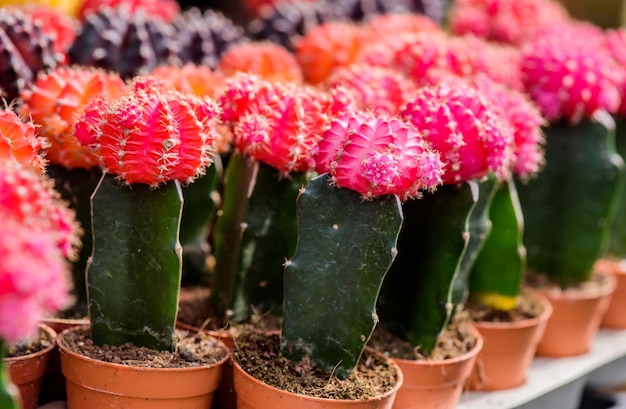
416,299
569,207
345,247
498,273
135,271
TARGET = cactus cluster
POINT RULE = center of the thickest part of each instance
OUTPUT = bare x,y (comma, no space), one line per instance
55,101
151,135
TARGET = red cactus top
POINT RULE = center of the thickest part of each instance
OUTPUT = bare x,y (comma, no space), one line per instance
55,101
375,156
462,124
19,142
570,79
153,134
279,123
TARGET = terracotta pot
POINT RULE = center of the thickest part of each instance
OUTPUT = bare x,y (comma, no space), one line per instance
53,384
435,384
615,316
254,394
95,384
27,372
508,350
225,396
575,320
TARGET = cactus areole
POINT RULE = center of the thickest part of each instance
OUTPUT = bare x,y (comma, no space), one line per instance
150,140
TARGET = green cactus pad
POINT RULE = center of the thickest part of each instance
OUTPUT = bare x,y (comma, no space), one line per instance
134,274
617,243
345,247
569,207
416,299
255,275
199,211
498,273
479,229
76,186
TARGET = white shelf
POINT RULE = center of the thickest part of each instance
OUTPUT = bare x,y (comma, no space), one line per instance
549,374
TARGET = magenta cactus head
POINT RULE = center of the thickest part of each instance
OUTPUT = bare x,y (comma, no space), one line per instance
462,124
377,156
526,120
570,79
506,21
152,134
39,232
379,89
615,41
279,124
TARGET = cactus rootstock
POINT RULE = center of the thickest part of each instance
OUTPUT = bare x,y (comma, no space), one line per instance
462,124
376,156
152,134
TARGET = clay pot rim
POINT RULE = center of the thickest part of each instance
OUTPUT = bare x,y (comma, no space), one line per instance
326,400
567,294
615,263
65,349
53,335
466,356
529,322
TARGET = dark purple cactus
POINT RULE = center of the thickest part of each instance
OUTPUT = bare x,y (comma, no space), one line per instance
361,10
204,36
24,51
130,44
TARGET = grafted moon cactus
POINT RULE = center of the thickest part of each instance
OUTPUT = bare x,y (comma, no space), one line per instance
59,26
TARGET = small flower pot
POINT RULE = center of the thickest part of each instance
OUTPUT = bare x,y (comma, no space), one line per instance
435,384
27,371
575,319
96,384
255,394
615,316
508,350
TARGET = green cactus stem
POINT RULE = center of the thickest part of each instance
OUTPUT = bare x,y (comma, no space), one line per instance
136,257
617,242
255,234
498,272
479,229
569,207
76,186
416,299
345,247
8,391
201,199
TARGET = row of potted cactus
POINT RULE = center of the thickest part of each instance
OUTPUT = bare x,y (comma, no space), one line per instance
375,190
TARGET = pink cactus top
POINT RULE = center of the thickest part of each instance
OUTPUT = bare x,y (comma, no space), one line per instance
375,155
279,124
20,143
507,21
462,124
570,79
152,134
39,232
